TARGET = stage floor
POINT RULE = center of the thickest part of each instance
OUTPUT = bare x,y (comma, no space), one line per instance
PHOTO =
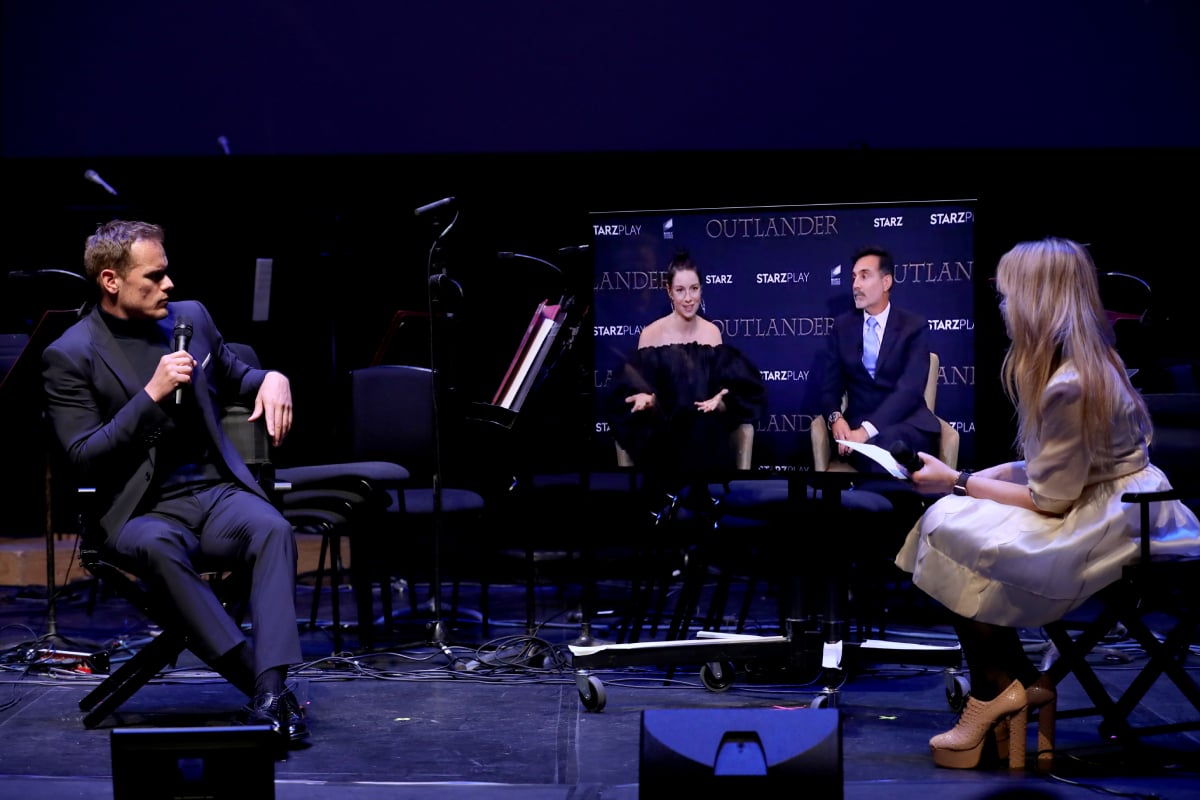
503,717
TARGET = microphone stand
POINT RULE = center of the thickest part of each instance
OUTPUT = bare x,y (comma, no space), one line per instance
507,254
437,272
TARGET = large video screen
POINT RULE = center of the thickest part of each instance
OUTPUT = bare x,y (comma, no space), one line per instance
774,278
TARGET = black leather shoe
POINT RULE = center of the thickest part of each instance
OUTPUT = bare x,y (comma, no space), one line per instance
281,711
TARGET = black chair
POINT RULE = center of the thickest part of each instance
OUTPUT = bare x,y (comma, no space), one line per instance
325,500
1152,595
394,417
336,501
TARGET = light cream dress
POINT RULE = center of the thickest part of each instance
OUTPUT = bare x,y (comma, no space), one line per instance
1011,566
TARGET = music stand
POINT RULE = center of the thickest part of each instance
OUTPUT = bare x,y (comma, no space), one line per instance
21,392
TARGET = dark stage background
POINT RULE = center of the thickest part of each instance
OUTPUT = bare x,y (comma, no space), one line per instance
308,134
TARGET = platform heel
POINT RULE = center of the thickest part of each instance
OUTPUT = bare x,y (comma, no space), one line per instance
962,746
1042,701
1018,725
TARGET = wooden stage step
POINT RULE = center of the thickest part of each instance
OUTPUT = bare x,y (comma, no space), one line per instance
23,559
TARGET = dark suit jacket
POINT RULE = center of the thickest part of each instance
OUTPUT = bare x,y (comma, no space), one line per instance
109,427
897,393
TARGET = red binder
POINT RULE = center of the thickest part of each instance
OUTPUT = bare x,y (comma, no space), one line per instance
522,373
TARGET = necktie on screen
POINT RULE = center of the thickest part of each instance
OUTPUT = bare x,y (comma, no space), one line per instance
871,345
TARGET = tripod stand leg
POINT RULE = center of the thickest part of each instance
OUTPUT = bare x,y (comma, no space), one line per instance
51,611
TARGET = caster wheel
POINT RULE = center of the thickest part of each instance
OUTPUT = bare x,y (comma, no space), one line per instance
824,700
593,696
958,686
717,676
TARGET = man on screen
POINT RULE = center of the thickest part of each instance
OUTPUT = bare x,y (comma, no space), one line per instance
878,359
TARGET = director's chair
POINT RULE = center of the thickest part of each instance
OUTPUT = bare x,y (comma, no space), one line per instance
160,652
1151,592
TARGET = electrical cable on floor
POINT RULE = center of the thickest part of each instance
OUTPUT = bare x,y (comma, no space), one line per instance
1053,778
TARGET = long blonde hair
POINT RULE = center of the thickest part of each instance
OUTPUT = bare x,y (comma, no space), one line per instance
1053,313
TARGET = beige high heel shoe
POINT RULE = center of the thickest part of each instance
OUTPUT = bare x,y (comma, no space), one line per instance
1040,698
962,746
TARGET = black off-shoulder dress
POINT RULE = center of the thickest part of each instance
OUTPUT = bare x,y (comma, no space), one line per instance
673,437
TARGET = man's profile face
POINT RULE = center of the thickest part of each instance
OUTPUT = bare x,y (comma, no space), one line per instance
142,292
870,286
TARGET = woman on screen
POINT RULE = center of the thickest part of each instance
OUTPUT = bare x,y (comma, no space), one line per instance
683,393
1021,544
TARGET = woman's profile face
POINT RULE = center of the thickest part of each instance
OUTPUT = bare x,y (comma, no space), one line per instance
685,293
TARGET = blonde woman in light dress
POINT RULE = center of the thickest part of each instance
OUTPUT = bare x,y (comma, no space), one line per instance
1023,543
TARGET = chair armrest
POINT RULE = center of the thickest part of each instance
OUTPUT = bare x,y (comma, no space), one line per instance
1151,497
743,446
948,449
820,444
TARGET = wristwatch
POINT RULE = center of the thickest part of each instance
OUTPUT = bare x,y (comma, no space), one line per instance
960,483
834,417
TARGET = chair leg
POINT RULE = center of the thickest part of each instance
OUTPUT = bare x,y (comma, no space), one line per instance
636,609
638,604
720,599
484,609
688,603
385,602
361,566
318,582
135,673
1166,658
335,589
530,591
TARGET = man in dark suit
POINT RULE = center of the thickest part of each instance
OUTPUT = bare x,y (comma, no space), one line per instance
138,418
878,356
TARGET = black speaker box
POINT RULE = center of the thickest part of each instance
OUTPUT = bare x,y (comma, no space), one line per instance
215,763
771,752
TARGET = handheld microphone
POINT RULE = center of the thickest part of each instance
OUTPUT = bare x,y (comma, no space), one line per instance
434,206
183,335
95,178
905,456
223,143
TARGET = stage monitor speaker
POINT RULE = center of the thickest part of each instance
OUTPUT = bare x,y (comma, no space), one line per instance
216,763
770,752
